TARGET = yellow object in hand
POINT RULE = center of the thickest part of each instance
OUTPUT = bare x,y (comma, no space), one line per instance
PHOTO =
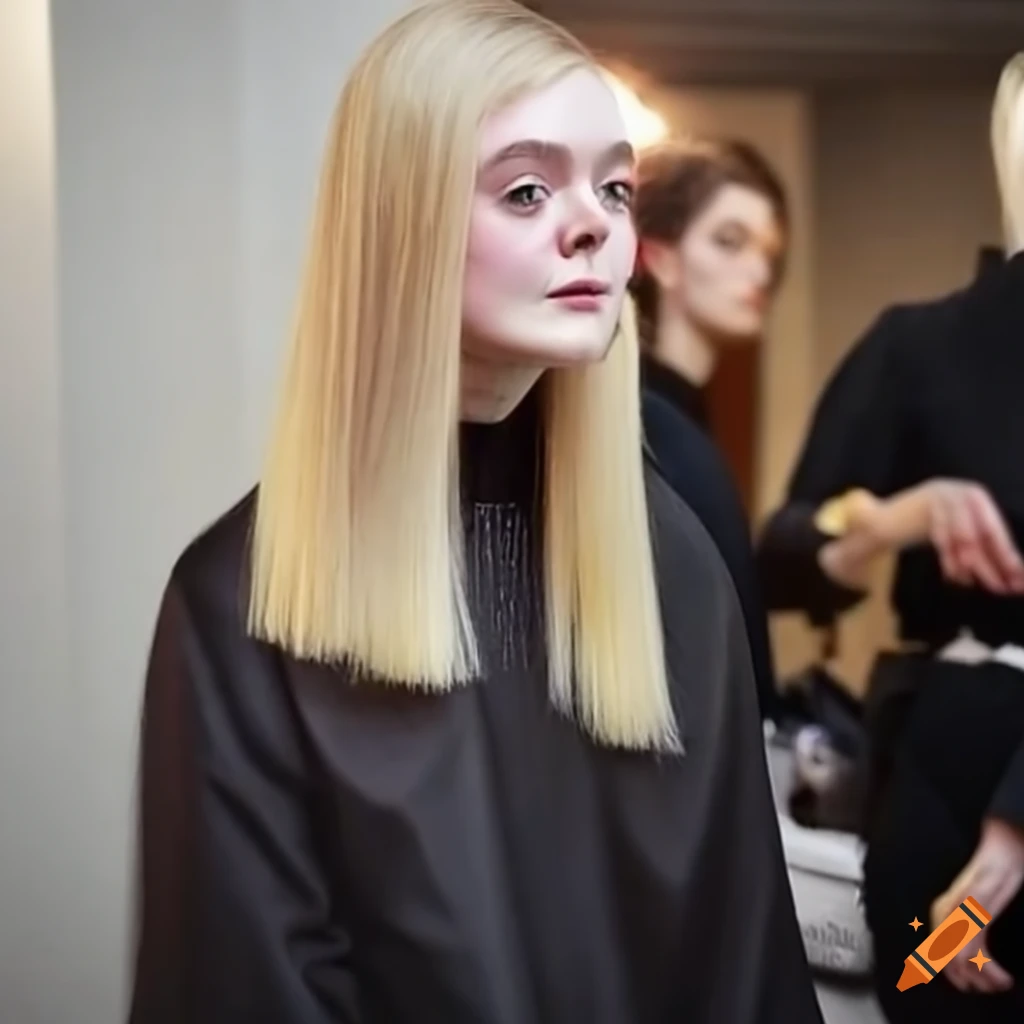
837,515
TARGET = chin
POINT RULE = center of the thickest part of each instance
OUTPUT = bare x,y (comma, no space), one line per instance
558,348
576,350
740,331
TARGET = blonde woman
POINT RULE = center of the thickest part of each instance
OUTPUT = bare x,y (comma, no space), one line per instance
452,719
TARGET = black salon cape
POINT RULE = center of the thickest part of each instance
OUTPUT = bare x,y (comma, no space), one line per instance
321,850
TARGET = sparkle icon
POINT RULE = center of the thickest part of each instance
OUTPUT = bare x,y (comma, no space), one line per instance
980,959
963,925
915,924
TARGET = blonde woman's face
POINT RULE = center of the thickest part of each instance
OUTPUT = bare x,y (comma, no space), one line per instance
551,240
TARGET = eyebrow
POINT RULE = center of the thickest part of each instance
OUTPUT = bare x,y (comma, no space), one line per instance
735,223
553,152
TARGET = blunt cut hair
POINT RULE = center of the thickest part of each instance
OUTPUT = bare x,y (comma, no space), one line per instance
677,180
1008,149
358,544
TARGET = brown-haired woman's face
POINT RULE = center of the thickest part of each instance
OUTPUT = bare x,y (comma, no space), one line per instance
721,274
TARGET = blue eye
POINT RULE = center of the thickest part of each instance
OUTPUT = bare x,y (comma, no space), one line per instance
525,197
618,194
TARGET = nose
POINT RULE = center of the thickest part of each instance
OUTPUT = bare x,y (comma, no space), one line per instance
762,270
586,228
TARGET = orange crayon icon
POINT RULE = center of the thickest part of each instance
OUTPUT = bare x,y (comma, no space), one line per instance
964,923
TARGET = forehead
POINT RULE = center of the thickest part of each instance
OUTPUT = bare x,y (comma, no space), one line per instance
578,111
741,203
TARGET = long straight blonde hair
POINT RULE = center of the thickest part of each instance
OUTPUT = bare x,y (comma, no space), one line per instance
1008,149
358,544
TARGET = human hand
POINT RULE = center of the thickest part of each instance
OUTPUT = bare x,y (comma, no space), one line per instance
992,876
966,528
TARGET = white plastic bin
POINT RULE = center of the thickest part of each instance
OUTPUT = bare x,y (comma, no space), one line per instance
826,876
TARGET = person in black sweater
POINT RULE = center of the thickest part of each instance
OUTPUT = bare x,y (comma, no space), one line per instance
916,448
696,470
711,218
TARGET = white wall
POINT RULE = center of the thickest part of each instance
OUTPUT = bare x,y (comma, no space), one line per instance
294,57
40,761
163,233
148,112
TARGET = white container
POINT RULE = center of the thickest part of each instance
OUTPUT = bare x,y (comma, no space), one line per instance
826,877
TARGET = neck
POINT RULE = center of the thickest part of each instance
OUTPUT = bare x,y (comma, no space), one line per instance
682,347
1014,235
491,392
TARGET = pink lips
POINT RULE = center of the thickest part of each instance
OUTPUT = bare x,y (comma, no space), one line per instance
584,295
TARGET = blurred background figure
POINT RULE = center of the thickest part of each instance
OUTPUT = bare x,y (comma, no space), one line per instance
915,451
712,221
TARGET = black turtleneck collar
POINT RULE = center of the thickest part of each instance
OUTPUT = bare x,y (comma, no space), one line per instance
990,257
993,314
501,462
686,396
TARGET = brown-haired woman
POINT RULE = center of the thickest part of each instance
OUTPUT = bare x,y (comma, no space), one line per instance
713,220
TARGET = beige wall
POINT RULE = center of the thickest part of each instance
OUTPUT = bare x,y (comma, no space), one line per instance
780,125
905,196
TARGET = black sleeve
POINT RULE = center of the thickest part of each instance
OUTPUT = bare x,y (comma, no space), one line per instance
696,471
236,920
854,440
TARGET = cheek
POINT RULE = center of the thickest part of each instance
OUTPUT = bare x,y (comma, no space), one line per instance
501,256
704,276
622,246
504,279
711,289
712,293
